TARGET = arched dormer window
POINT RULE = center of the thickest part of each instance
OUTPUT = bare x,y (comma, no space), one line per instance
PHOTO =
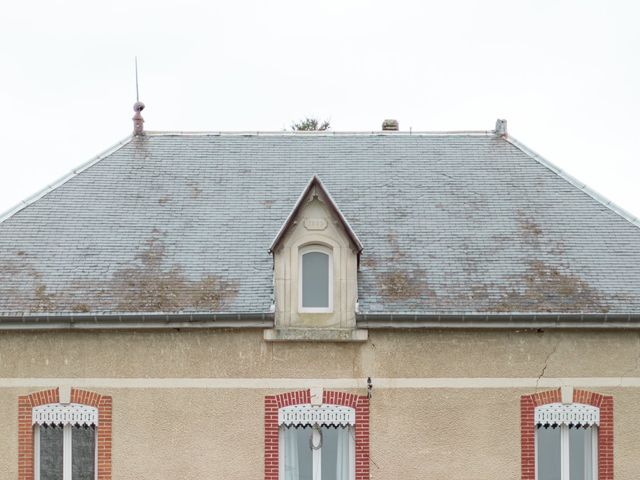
315,270
315,280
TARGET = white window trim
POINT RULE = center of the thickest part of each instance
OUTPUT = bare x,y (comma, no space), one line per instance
323,414
563,415
64,413
320,249
69,415
335,415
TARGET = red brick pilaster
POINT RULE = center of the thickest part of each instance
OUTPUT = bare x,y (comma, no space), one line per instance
25,428
528,403
273,402
271,464
104,438
362,438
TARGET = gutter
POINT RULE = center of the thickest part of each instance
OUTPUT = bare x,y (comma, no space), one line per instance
373,321
136,321
499,321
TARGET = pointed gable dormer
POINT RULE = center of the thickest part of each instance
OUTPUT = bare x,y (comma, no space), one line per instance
315,266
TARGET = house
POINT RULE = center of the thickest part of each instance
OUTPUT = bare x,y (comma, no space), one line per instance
319,305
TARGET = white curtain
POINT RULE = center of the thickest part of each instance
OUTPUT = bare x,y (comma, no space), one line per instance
299,462
342,460
291,469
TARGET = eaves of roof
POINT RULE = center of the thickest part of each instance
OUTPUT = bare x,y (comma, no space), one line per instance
386,321
128,321
500,321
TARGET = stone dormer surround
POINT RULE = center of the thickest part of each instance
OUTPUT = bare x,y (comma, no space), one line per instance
316,223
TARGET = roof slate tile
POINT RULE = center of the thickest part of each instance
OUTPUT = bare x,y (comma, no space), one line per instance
449,224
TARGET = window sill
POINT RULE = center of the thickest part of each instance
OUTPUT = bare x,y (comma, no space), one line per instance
316,335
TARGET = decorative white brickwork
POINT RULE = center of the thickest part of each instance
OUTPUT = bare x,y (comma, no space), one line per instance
561,414
307,414
72,413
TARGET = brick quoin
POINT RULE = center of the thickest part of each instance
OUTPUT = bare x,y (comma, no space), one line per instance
273,402
528,404
26,403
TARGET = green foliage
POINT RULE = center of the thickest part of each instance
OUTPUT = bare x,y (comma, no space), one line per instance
310,125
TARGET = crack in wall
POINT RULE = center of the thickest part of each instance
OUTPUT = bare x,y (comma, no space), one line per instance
546,363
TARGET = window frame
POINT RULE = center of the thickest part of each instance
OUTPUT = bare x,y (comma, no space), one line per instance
28,402
316,468
272,409
67,452
565,460
605,405
317,249
563,416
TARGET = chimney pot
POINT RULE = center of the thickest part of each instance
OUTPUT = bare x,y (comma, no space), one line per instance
390,125
501,128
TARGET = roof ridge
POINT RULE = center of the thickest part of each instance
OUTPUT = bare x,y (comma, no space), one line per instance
62,180
575,182
327,133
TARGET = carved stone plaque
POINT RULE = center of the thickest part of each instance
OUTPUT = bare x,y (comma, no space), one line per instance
315,223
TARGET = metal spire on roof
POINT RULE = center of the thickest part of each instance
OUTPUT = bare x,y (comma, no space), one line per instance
137,95
138,121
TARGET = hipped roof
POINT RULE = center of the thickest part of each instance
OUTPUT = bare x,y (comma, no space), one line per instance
451,223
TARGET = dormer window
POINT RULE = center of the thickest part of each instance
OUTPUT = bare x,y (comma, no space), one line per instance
315,262
315,280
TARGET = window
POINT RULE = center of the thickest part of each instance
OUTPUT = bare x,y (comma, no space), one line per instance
567,441
317,442
64,441
315,280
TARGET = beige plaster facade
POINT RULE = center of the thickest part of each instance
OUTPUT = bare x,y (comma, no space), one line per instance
189,404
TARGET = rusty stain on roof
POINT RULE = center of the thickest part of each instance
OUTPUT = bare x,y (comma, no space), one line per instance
149,286
396,252
404,285
546,288
401,284
195,189
153,286
530,228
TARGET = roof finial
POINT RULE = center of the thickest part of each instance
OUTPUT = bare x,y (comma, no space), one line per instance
138,121
137,96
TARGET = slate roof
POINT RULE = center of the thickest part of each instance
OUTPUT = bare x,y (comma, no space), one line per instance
450,223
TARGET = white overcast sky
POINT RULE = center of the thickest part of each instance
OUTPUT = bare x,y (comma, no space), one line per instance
565,74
